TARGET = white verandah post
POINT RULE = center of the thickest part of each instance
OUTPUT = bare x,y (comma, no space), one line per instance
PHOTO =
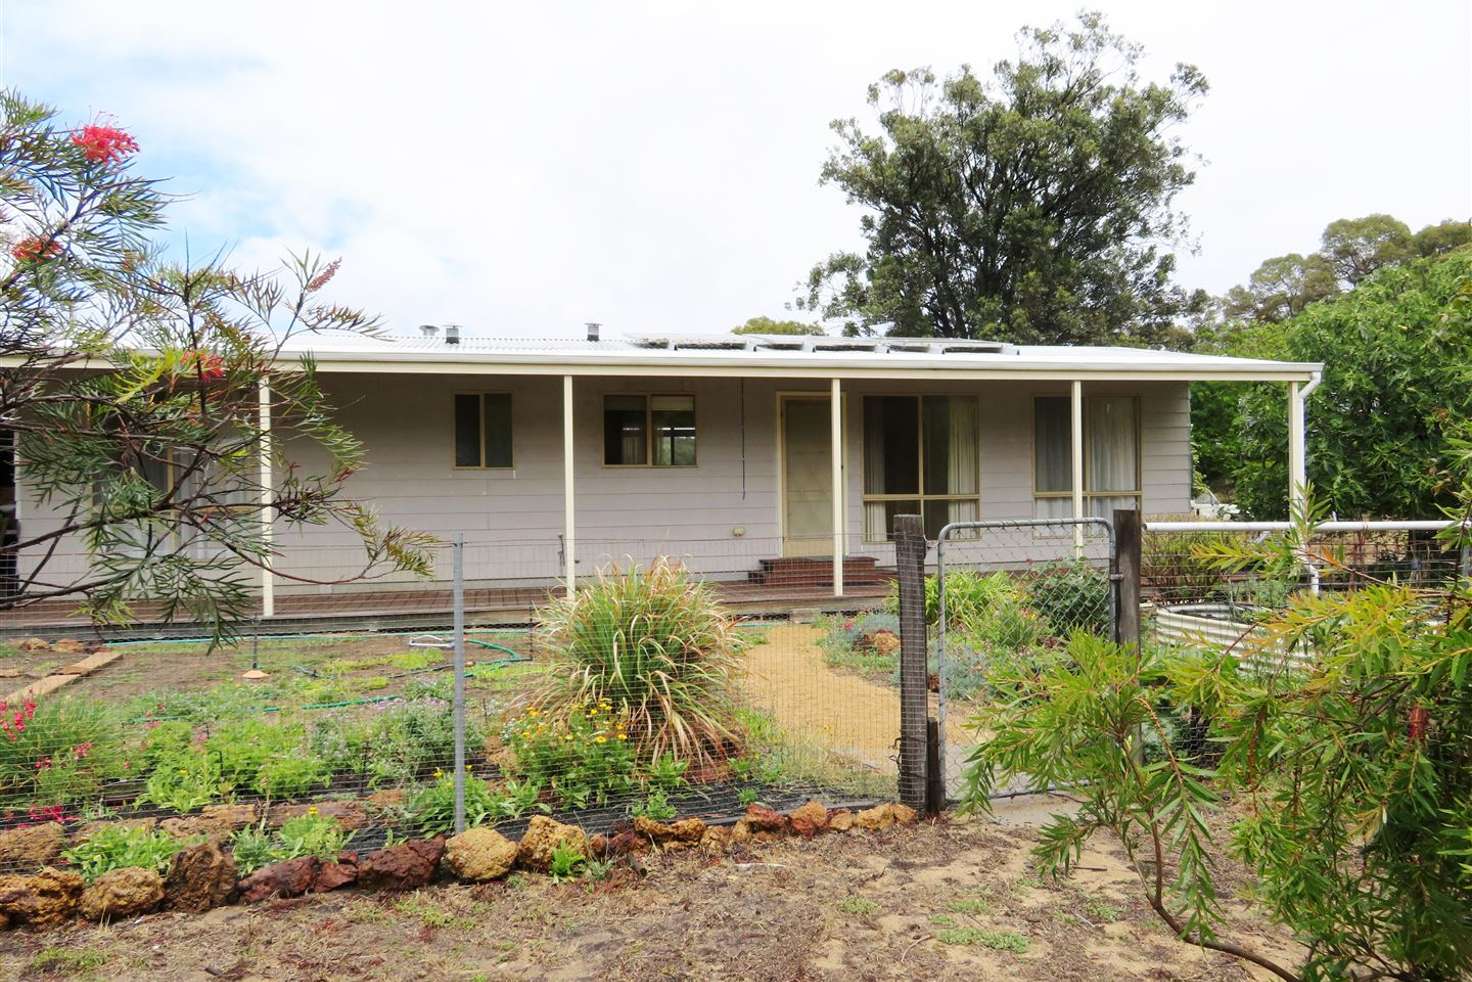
569,534
268,580
1076,428
1297,462
835,418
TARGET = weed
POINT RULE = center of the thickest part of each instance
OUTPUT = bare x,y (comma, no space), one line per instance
430,914
117,846
566,862
747,796
656,806
862,906
72,961
969,905
996,940
1098,909
668,772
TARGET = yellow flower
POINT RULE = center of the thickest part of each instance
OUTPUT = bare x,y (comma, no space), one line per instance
534,711
600,739
311,809
438,773
623,736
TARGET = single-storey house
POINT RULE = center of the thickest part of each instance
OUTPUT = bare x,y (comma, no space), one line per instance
755,459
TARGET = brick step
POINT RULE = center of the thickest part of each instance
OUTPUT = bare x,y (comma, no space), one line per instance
816,571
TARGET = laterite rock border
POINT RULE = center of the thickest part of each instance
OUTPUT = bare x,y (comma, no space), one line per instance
204,876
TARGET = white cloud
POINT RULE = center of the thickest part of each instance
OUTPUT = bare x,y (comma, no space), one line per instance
654,166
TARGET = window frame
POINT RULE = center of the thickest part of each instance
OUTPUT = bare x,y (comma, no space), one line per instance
648,398
1139,491
920,497
480,416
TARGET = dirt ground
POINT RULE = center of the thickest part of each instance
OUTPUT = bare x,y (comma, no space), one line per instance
840,710
954,899
180,667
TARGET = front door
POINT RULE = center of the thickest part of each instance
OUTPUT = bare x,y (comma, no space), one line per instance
807,477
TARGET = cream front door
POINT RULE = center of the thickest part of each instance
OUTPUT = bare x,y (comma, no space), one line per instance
807,477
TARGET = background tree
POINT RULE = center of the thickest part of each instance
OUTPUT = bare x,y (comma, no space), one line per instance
1451,234
1254,320
1033,208
1281,287
1356,247
765,325
1396,353
133,387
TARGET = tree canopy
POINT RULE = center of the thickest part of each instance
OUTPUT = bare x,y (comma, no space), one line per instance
1034,207
765,325
1397,354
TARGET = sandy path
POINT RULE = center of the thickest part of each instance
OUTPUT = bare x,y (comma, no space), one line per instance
839,711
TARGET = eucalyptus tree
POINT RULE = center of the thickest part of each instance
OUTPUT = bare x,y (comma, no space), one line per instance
1036,206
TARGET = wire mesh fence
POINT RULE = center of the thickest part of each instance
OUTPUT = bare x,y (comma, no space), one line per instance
1007,597
678,682
1191,601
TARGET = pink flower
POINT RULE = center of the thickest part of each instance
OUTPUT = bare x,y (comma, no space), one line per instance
103,144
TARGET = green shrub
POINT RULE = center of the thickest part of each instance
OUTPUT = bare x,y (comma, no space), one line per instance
656,805
117,847
584,756
289,776
432,809
309,834
185,780
1072,597
656,646
244,746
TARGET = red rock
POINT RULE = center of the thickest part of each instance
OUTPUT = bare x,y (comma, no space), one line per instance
288,878
31,846
403,867
809,820
331,876
200,877
760,818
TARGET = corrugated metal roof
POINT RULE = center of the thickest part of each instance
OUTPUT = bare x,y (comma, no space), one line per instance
340,350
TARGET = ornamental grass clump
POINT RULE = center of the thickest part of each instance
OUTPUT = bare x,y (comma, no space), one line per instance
659,650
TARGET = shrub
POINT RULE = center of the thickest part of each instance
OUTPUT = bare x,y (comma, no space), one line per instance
185,780
117,847
288,776
432,809
58,750
846,642
1072,597
391,742
244,746
584,756
309,834
659,649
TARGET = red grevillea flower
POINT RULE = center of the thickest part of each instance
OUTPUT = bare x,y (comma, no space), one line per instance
210,366
103,144
35,249
324,277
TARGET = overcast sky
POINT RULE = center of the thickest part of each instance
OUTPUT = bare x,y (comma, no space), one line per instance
654,165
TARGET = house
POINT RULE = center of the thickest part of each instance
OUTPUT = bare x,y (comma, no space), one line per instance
555,458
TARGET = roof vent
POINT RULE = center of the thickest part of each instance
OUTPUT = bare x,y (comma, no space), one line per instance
593,327
429,330
452,334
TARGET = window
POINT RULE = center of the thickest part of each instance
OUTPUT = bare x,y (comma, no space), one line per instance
642,430
1111,455
920,457
483,429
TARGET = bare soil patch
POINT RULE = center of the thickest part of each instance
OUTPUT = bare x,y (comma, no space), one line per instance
954,899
